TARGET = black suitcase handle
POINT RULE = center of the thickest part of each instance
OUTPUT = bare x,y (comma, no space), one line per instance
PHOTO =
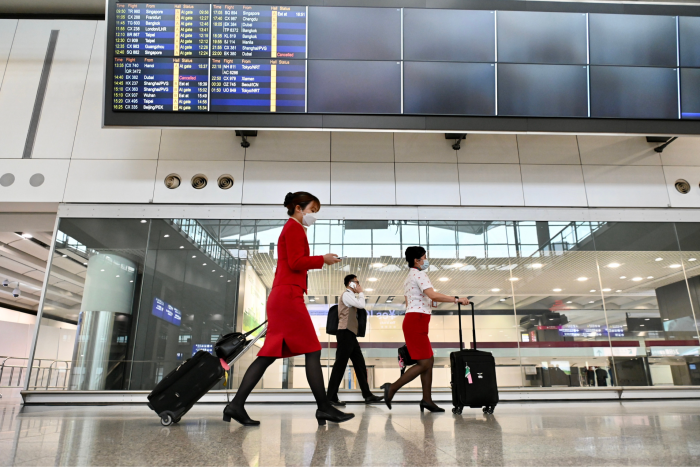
459,313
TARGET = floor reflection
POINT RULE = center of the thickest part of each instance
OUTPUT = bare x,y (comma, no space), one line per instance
542,434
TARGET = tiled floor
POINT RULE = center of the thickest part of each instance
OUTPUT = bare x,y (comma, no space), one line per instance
602,433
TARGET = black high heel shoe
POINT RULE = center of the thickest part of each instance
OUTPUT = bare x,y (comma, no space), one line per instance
337,417
430,407
242,418
387,400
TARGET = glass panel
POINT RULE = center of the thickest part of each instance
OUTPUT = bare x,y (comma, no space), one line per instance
649,313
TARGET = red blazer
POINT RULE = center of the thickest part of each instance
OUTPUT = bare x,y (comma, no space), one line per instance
293,260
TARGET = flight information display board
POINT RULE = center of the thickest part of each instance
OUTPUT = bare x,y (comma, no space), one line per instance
227,58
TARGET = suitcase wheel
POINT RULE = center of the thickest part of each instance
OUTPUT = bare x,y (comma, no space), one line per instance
166,420
489,409
457,410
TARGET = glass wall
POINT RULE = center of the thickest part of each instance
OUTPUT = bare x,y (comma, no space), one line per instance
559,304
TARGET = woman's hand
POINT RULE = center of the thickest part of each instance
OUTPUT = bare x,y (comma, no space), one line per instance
464,301
331,258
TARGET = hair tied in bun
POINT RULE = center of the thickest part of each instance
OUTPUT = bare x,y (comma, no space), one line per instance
301,199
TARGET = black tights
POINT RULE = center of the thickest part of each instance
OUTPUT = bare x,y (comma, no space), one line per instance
424,368
314,375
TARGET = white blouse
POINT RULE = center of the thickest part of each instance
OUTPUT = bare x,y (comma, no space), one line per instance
413,287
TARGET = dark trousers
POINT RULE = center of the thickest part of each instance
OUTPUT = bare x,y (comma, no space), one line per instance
348,349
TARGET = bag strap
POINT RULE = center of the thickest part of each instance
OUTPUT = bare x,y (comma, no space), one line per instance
253,330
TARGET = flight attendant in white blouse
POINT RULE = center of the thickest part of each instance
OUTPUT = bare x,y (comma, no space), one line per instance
419,293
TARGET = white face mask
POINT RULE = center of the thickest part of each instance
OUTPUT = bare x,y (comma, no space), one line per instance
425,265
308,219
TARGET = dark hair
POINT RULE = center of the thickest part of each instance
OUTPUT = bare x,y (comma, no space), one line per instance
413,253
348,278
301,199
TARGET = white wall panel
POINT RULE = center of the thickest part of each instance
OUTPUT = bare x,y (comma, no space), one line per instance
553,185
364,183
304,146
59,115
548,149
348,146
427,184
201,145
617,150
625,186
269,182
93,142
210,193
489,149
683,151
51,190
490,185
115,181
7,34
423,147
689,174
20,84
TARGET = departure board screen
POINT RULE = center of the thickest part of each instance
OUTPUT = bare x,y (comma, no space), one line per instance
226,63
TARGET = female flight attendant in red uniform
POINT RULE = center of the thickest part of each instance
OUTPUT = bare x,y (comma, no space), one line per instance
290,331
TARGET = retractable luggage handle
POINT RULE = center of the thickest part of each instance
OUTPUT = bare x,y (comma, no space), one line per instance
459,313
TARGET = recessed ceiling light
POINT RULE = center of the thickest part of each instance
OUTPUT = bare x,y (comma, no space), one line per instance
312,299
182,247
378,265
204,264
582,279
27,235
194,256
221,275
641,325
502,300
166,236
623,277
459,265
556,290
647,319
591,301
131,281
606,290
444,279
143,221
637,279
213,270
85,264
618,291
592,290
65,256
372,279
692,259
102,270
650,277
659,259
495,290
569,301
369,290
614,265
117,275
228,280
536,265
675,266
513,279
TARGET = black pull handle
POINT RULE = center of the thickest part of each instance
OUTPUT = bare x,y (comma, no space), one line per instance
473,326
459,313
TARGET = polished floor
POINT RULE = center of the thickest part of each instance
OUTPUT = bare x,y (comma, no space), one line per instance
660,433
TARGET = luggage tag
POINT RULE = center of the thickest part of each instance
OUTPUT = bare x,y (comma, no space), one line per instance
468,374
226,367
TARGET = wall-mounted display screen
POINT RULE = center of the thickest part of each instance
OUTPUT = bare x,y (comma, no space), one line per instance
228,60
634,92
633,40
689,41
166,311
359,87
444,88
539,37
339,33
542,90
441,35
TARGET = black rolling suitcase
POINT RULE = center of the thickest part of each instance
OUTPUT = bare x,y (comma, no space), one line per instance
175,395
180,389
473,375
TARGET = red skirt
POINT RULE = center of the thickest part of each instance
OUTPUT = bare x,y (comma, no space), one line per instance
415,332
290,331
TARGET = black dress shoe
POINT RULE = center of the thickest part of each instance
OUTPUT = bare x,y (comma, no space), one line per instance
386,387
372,399
431,407
241,416
336,402
333,415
